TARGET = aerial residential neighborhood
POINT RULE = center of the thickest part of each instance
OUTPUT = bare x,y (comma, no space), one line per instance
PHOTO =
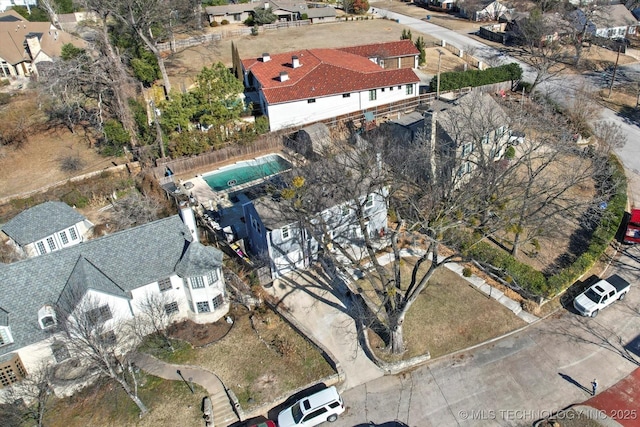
297,213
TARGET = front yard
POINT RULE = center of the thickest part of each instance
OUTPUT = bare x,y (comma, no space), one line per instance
449,315
259,359
170,403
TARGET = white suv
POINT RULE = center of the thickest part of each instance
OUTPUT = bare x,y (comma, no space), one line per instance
322,406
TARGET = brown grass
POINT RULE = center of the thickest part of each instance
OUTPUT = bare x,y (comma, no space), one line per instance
449,315
261,366
106,405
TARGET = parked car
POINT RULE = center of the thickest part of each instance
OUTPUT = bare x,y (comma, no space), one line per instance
267,423
632,233
310,411
600,295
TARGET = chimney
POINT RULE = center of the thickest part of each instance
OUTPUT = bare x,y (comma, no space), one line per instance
432,141
295,62
33,45
284,76
55,37
266,57
266,5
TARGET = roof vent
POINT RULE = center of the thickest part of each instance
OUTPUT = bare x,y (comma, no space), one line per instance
284,76
295,62
266,57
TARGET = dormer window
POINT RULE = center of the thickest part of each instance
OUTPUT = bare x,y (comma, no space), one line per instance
5,336
47,317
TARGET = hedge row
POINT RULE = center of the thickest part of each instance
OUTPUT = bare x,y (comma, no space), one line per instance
534,281
602,235
473,78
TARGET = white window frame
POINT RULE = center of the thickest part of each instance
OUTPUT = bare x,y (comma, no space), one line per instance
197,282
217,302
171,308
41,248
212,277
373,95
63,237
369,202
165,284
73,234
51,243
200,304
285,232
409,89
5,336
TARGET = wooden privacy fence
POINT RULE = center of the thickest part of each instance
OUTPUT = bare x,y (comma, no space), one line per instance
238,32
271,141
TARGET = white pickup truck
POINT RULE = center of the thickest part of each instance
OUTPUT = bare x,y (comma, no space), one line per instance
600,295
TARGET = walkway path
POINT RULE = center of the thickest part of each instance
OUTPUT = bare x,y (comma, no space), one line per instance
223,413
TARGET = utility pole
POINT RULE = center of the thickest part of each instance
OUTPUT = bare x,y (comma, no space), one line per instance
613,76
440,53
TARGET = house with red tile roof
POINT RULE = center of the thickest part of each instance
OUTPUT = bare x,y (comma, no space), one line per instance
308,85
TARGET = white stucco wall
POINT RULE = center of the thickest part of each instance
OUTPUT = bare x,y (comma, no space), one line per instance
302,112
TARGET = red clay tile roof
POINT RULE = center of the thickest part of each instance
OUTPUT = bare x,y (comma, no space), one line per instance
384,50
322,72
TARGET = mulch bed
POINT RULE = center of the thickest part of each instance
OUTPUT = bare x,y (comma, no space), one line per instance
199,335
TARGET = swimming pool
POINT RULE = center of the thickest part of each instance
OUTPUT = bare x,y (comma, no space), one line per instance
246,171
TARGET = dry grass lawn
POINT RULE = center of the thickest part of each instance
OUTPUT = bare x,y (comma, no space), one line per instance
449,315
170,404
263,363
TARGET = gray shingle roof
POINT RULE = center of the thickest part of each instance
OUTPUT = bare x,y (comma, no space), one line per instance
117,264
197,260
41,221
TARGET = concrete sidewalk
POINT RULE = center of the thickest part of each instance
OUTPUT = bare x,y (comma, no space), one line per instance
223,413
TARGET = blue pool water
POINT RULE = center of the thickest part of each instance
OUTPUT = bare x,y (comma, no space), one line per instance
246,171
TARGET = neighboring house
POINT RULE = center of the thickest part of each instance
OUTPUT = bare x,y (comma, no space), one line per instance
554,26
8,4
116,271
389,55
287,246
457,146
69,21
306,86
291,10
611,21
438,4
484,10
24,44
48,227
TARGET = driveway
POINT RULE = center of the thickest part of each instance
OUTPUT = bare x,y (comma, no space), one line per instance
324,312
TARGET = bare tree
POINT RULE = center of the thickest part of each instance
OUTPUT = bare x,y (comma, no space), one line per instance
538,40
30,397
545,190
147,19
155,314
332,200
135,209
99,336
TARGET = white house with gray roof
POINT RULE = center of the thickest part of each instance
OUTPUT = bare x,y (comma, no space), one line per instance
117,271
46,228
